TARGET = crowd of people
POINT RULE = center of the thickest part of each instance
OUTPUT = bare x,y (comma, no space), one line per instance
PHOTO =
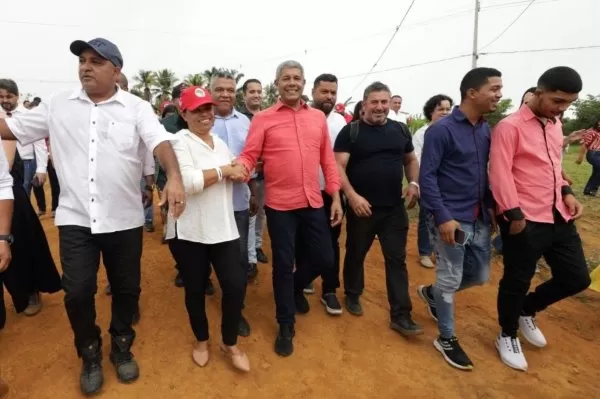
301,168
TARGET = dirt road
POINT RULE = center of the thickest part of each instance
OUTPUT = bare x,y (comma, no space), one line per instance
345,357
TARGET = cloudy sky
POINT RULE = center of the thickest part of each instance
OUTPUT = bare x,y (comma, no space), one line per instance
344,38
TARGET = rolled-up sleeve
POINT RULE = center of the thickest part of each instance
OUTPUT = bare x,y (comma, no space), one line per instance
502,183
29,127
6,180
41,156
193,179
149,166
434,143
151,131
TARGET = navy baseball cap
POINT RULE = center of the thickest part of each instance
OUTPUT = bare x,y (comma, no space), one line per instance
107,49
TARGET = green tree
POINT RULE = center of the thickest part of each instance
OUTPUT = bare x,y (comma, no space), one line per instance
196,79
500,113
416,122
145,82
586,113
270,95
164,80
137,92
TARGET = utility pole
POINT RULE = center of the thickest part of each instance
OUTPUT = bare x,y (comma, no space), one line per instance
475,55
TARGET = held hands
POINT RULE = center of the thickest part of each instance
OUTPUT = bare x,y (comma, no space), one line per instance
447,231
575,207
411,195
359,205
236,172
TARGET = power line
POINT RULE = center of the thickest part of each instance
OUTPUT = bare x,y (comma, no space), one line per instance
508,26
541,50
386,46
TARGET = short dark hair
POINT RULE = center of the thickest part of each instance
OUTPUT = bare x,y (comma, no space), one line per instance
176,92
375,87
397,96
561,78
167,109
10,86
530,90
37,100
247,82
476,78
433,102
357,109
325,77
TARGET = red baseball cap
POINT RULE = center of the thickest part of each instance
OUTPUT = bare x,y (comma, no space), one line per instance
193,97
164,105
339,107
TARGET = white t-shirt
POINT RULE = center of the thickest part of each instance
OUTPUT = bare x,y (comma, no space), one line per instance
418,141
398,117
335,123
208,217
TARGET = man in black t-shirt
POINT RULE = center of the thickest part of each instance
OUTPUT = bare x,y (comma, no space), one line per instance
372,161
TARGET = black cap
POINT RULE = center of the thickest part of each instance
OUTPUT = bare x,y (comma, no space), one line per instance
176,93
107,50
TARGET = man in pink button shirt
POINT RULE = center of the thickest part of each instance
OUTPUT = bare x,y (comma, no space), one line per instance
536,212
293,141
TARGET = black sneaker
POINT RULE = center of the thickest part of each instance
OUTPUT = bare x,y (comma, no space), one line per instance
91,378
453,353
353,305
149,227
406,326
426,295
252,271
210,288
302,305
309,289
244,328
178,280
331,303
260,256
284,345
122,358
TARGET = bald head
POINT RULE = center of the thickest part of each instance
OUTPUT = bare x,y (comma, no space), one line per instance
123,82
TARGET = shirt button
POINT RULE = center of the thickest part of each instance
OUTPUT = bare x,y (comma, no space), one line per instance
92,179
92,160
94,220
93,122
92,200
93,141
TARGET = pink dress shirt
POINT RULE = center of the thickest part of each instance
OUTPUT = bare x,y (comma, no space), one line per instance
292,144
525,168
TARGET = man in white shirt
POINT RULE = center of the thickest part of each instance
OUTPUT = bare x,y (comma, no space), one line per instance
99,135
395,114
324,94
34,156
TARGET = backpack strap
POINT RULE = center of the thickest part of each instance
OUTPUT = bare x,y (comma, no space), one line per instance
353,131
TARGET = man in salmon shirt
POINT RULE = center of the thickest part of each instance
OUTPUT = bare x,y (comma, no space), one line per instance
536,212
293,141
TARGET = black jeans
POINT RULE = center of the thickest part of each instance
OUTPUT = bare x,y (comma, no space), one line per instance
391,226
331,275
561,247
80,252
283,226
591,188
39,194
194,260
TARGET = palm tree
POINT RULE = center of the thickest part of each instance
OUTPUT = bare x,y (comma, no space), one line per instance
164,80
209,73
196,79
270,95
145,81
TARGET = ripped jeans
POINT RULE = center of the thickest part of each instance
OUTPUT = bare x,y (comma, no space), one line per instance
458,267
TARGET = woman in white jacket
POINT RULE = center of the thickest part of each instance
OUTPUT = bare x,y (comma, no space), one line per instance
206,232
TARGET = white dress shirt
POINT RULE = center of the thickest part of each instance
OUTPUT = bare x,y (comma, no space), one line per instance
98,152
397,116
6,180
418,141
335,123
37,150
208,217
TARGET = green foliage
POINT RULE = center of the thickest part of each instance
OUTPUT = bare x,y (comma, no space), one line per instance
416,122
164,80
195,79
270,95
500,113
586,113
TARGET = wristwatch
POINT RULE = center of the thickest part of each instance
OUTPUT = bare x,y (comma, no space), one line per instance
8,238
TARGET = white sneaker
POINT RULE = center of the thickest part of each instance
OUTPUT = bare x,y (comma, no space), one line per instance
426,262
511,353
531,332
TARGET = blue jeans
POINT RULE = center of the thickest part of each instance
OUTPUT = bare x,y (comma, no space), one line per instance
29,167
423,234
458,267
148,211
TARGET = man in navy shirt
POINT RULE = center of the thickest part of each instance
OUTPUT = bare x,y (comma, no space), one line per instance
455,192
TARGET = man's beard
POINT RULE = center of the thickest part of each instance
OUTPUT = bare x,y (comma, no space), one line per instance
8,107
321,106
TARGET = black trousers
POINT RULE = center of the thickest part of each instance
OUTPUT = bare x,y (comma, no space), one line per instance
38,191
194,260
80,252
391,226
561,247
330,275
283,226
